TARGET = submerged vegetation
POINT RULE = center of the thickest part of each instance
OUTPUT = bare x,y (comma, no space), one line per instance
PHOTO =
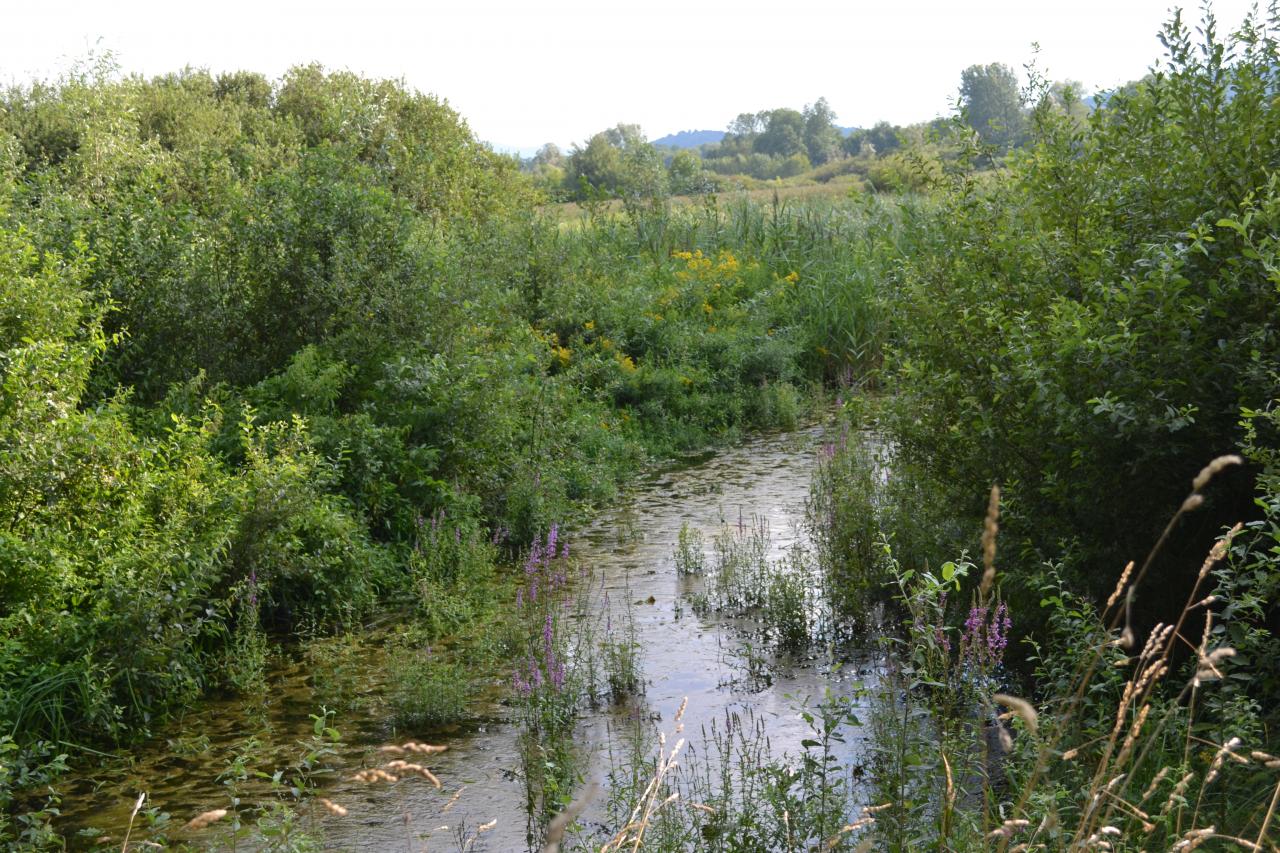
282,359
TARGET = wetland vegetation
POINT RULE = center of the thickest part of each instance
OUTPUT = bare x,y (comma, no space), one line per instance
355,493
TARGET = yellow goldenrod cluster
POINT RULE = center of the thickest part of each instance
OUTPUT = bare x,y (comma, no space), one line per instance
699,266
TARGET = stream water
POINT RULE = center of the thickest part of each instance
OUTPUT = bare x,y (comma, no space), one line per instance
713,662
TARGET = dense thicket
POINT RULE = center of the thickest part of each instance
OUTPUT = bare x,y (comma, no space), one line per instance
254,333
1088,331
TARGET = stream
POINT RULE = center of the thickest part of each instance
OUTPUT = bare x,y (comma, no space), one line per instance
715,663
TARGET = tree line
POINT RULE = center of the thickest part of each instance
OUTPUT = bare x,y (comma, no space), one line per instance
786,143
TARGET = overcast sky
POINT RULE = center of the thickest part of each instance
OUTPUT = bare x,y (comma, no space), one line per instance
524,73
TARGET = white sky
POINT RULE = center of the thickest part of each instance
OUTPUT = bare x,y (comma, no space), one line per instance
524,73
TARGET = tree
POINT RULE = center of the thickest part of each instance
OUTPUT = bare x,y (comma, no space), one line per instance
883,138
783,134
548,156
992,106
686,175
821,137
1067,97
618,161
747,124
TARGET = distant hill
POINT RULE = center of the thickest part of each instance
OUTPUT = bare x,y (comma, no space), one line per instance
689,138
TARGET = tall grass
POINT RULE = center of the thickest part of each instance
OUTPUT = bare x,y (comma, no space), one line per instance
1136,736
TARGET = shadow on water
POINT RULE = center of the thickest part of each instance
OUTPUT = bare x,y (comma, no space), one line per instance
714,661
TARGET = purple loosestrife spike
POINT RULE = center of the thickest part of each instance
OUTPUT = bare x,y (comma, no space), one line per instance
557,676
534,561
552,535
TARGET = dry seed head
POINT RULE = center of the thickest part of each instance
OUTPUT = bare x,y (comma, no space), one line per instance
1153,785
1221,756
423,748
1124,579
1178,790
1132,737
1006,739
1211,470
453,800
873,809
1194,838
1192,503
200,821
1155,640
1022,708
333,808
834,841
1219,549
1008,828
1070,754
1208,668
